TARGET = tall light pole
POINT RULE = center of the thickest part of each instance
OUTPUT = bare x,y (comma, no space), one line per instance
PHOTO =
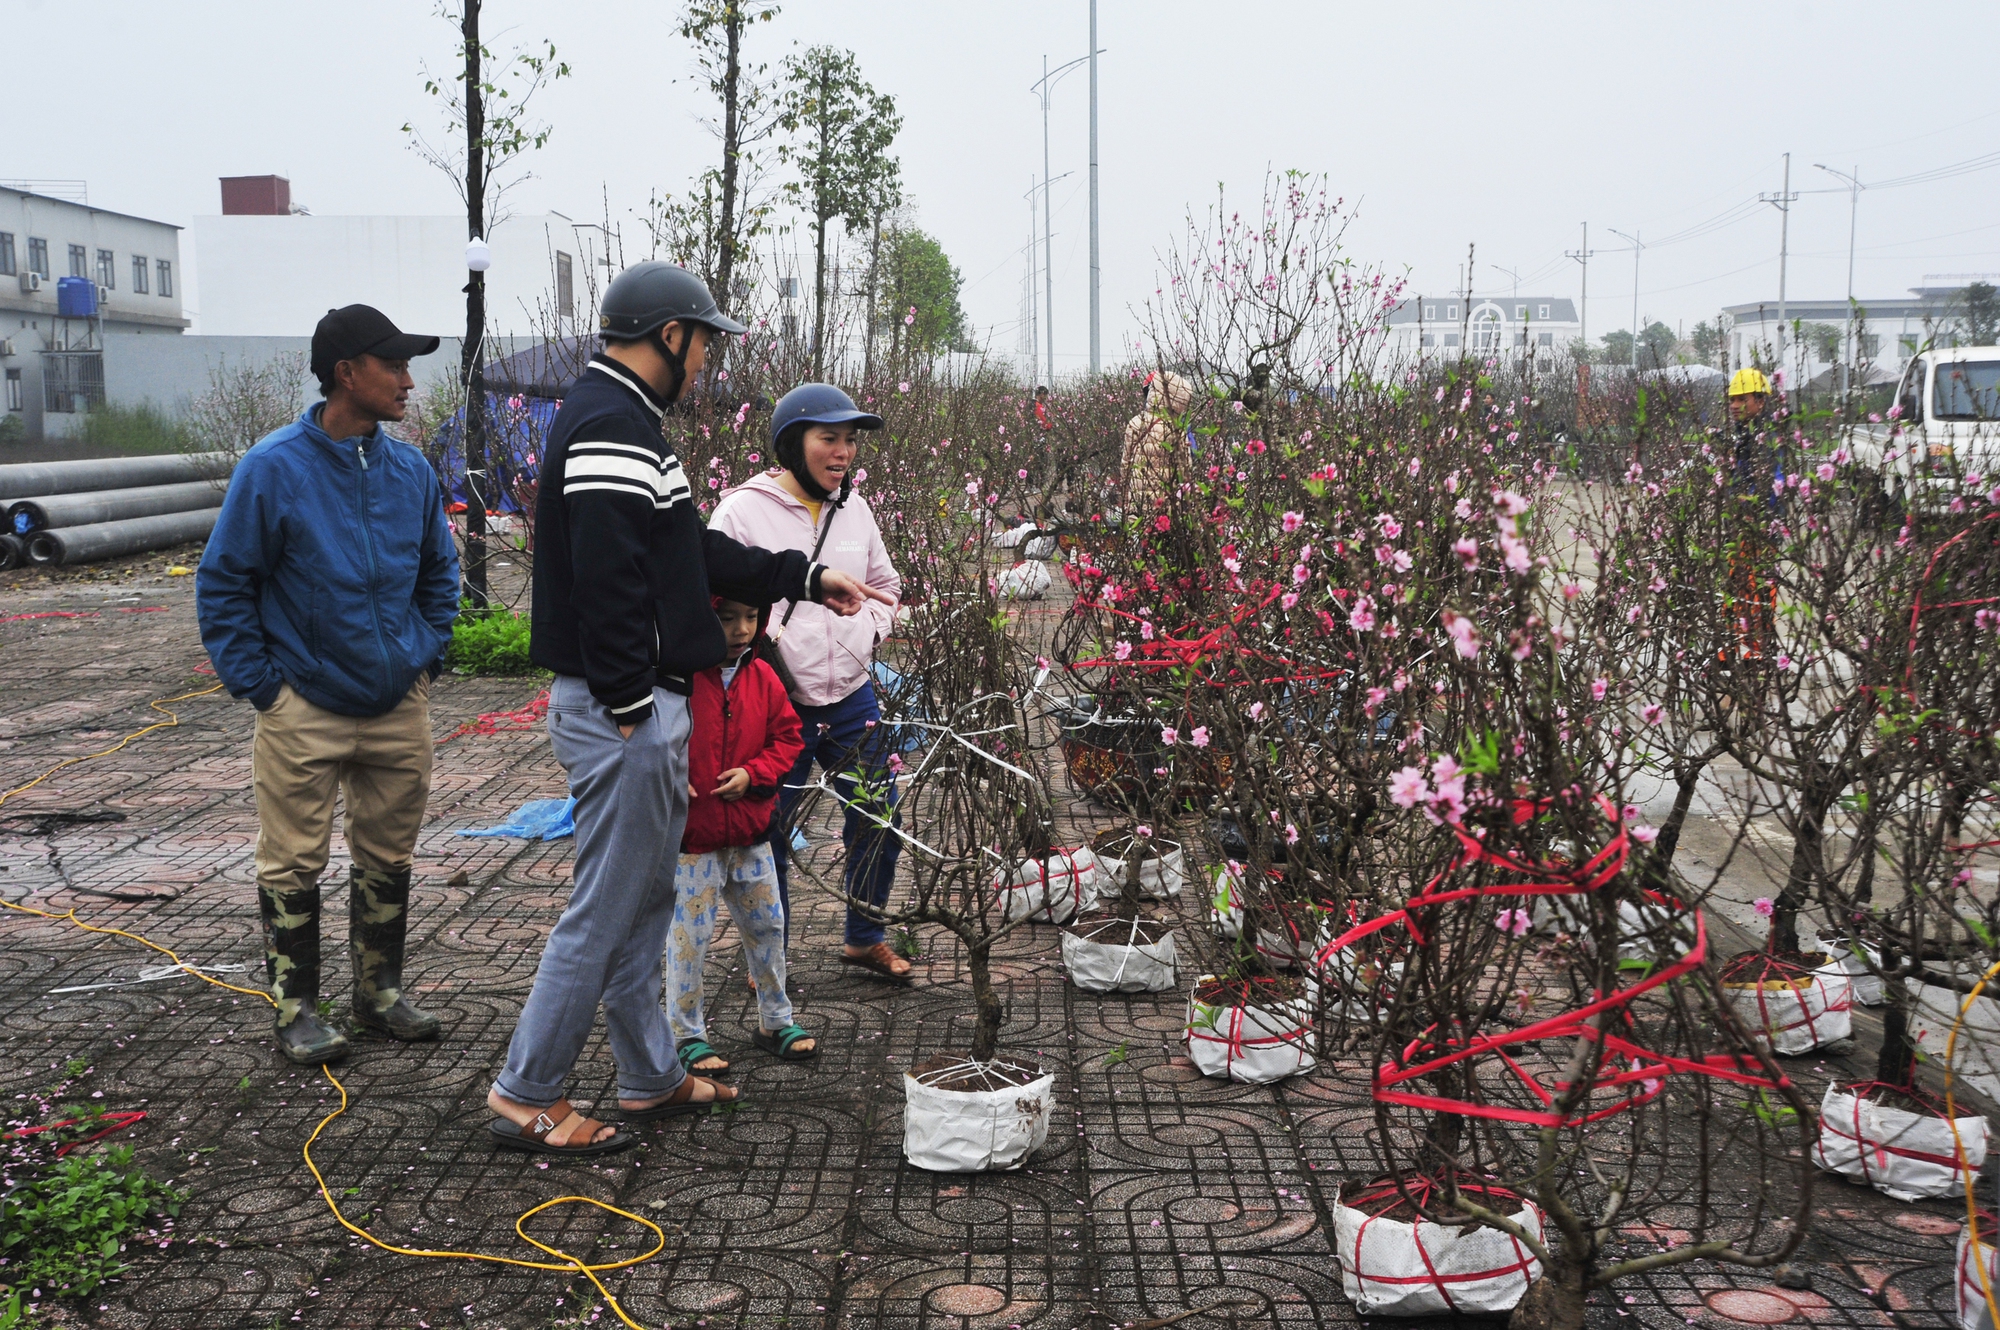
1783,201
1582,256
1094,268
1854,188
1638,247
1042,87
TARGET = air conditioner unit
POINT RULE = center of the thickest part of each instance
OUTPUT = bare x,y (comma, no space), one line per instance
6,347
103,296
31,282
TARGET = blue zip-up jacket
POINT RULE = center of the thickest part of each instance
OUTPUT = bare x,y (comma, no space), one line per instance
331,568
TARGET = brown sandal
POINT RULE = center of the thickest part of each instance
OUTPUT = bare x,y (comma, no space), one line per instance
682,1101
880,960
534,1136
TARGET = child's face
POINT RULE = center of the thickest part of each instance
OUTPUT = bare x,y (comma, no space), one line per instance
739,624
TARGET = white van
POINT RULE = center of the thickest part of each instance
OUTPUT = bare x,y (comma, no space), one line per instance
1946,427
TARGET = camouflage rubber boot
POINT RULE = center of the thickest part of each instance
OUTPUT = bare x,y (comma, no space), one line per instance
378,909
291,962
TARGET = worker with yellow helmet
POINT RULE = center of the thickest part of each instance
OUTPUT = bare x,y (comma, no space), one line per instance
1758,489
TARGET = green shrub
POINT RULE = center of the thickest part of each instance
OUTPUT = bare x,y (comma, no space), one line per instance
489,641
61,1230
13,428
133,429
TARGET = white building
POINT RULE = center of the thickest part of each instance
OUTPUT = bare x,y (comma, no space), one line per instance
275,273
1890,331
1495,327
51,366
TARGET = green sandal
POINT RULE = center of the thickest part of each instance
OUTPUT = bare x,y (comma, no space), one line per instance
781,1043
693,1051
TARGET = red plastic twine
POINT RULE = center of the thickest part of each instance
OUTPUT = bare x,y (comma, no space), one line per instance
500,722
1546,879
118,1121
1166,652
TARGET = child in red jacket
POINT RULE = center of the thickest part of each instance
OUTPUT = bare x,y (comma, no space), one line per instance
745,737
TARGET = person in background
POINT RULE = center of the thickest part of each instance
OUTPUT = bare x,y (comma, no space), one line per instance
808,503
326,597
1758,473
622,617
1151,440
1042,407
745,739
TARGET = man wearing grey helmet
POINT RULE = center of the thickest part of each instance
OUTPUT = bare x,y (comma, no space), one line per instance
623,619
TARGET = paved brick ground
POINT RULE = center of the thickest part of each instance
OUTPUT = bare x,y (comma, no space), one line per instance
1158,1192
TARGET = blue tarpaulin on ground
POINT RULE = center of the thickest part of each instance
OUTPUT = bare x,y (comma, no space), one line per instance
538,819
553,819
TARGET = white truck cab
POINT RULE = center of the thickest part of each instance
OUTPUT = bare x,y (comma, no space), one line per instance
1945,426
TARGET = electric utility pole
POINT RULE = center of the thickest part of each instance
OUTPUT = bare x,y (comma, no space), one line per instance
1783,201
1854,188
1582,256
1094,268
1637,248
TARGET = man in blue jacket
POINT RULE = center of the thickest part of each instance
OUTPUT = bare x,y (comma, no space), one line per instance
326,597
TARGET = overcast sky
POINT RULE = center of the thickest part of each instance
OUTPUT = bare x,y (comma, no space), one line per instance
1443,123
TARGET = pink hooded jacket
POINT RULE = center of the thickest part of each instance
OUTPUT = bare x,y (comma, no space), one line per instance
828,656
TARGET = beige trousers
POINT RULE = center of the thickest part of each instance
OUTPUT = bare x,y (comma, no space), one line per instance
381,764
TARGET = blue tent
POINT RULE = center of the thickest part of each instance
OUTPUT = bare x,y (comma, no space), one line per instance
516,426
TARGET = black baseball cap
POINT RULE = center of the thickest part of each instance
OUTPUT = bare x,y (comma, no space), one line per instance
362,330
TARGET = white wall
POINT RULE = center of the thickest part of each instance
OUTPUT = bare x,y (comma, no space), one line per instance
277,276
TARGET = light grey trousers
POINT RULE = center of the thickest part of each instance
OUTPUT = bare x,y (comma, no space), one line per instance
631,807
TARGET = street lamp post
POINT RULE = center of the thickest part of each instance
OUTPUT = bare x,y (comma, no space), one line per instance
1042,87
1854,188
1638,246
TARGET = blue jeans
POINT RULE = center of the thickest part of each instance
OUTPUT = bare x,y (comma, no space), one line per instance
840,738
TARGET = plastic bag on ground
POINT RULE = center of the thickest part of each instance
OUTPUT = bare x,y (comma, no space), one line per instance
1797,1015
1902,1154
1974,1312
1024,581
1256,1040
1160,876
1392,1268
1008,540
1225,903
1111,961
1053,890
1975,1059
975,1131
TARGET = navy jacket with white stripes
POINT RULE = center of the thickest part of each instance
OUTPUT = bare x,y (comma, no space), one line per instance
623,561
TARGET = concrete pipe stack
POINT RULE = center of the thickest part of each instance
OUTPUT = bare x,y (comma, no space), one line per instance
80,512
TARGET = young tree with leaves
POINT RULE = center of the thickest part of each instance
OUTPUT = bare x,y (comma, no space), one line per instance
840,130
711,229
488,104
917,295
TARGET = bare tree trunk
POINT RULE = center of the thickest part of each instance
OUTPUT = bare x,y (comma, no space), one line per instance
471,358
732,135
874,266
821,217
1815,800
986,1025
1555,1301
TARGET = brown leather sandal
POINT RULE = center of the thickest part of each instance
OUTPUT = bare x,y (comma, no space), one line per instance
682,1101
533,1137
880,960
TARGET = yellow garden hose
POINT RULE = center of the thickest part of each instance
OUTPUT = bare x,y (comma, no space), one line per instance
567,1263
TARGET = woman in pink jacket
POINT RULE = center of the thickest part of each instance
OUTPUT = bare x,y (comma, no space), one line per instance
808,503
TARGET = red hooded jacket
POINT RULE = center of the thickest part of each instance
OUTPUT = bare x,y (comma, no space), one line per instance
749,724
